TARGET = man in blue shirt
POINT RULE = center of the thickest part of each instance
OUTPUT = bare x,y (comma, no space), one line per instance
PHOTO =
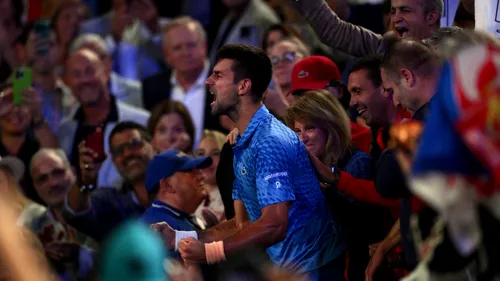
278,201
176,185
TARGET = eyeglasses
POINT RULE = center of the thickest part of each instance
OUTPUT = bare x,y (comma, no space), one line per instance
134,144
405,136
43,178
286,57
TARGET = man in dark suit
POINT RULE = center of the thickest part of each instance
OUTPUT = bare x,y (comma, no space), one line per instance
185,50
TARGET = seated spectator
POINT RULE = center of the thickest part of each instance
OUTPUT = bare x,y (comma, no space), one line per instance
97,212
131,30
175,186
185,49
126,90
69,252
211,145
23,130
171,127
284,55
66,23
245,23
99,111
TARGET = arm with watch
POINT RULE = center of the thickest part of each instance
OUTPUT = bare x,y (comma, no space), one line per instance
93,211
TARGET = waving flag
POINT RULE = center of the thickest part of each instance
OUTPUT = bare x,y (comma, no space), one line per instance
457,165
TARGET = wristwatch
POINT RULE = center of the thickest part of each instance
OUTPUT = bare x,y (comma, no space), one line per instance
337,174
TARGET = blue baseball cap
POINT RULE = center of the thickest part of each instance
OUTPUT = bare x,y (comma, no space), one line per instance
171,161
134,253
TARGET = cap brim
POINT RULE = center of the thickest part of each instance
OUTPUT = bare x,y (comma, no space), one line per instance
15,165
197,163
317,85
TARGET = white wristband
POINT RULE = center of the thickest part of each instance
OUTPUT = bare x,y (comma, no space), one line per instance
179,235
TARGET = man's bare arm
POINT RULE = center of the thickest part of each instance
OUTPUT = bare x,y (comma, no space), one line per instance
269,229
227,228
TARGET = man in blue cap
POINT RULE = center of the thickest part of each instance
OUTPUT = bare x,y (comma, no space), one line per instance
175,184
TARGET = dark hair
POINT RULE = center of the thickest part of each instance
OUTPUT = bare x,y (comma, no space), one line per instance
171,106
409,54
249,62
130,125
22,38
371,64
287,30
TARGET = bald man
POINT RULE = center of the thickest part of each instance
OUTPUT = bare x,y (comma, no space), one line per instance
97,114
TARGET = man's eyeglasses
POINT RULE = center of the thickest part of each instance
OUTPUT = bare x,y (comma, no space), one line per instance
286,57
43,178
134,144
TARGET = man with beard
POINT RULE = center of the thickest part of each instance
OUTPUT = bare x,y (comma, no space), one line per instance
99,111
278,201
96,213
68,251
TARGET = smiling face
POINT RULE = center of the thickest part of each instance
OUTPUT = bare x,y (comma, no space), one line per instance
131,154
312,137
52,178
16,121
208,147
224,88
409,20
367,98
86,77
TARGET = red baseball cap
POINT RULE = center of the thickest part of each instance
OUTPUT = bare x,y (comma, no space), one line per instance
313,73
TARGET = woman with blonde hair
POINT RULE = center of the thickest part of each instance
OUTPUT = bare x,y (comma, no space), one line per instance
323,126
211,145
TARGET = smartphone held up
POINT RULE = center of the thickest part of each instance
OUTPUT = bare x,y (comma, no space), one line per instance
95,141
22,81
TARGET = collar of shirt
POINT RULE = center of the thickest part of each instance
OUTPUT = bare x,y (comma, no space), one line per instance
112,117
161,205
200,82
258,117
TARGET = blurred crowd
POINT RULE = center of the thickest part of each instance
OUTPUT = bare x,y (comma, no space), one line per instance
249,140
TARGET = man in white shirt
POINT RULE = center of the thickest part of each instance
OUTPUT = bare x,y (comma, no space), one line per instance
185,50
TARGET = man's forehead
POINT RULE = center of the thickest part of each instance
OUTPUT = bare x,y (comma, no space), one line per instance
125,136
47,161
224,65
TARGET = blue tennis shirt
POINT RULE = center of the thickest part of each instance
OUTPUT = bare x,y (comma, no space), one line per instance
271,165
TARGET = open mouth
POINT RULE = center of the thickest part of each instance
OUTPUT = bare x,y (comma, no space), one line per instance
215,98
361,111
401,31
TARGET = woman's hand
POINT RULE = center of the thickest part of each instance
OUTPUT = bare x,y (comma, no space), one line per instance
231,137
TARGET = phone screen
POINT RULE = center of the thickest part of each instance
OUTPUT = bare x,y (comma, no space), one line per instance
22,80
42,29
95,141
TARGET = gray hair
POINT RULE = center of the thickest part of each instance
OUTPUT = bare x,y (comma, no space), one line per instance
434,5
439,36
185,21
59,153
90,39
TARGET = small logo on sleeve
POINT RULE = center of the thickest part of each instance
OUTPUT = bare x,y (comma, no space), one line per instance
275,175
278,184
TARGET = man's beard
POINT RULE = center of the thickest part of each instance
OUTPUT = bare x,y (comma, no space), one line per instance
231,109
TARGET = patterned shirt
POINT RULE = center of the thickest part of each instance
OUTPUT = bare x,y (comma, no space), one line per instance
271,166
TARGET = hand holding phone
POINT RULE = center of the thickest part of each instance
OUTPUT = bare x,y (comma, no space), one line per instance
22,81
42,32
95,141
